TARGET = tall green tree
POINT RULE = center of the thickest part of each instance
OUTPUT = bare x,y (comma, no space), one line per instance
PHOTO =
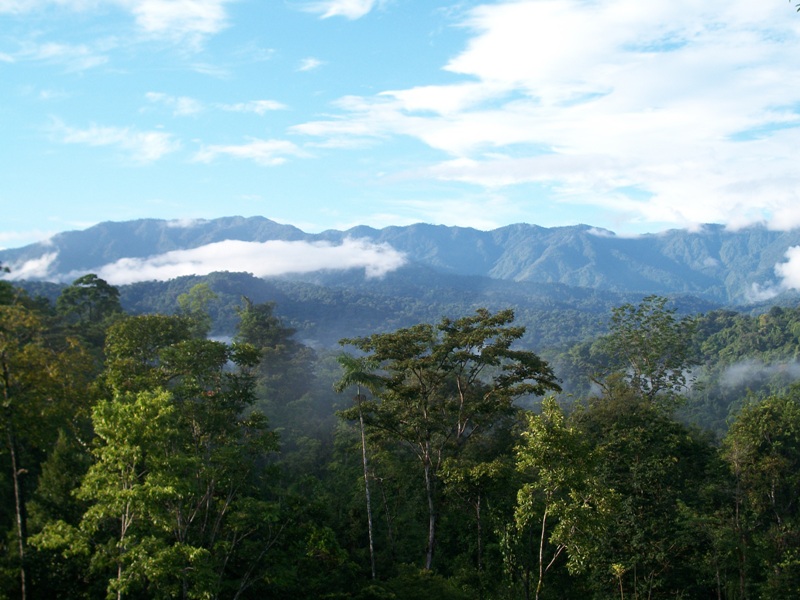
42,388
446,384
194,306
178,494
88,306
647,347
657,468
564,498
359,372
762,449
133,349
285,371
89,299
7,290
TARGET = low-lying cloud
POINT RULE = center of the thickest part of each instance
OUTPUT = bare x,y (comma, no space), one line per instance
754,372
789,271
37,268
789,274
262,259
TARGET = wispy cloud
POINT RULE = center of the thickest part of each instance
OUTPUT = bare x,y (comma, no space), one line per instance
692,105
268,153
190,20
309,64
263,259
350,9
182,106
259,107
18,6
178,20
13,239
38,268
754,371
185,223
141,146
73,57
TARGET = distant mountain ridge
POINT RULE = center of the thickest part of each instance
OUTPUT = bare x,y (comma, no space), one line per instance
713,263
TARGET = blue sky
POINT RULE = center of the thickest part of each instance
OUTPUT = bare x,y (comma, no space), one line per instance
629,115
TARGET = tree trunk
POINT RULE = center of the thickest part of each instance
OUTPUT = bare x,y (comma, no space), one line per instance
389,526
366,484
480,533
19,507
541,554
429,490
480,546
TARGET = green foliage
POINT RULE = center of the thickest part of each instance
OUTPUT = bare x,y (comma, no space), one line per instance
444,385
656,467
88,300
175,487
564,498
648,347
194,306
284,372
133,347
762,449
42,389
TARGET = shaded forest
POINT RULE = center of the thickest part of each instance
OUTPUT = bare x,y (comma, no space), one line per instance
143,456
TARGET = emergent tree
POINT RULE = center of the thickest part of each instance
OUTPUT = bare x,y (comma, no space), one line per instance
445,384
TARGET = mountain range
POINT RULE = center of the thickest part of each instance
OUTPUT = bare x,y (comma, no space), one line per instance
712,263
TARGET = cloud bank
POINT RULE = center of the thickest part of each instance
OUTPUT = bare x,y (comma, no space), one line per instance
37,268
681,112
262,259
788,273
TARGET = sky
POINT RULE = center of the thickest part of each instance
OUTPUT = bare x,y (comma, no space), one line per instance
627,115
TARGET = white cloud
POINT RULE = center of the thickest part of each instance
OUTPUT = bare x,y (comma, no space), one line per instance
350,9
444,99
484,212
261,259
178,20
789,271
690,104
268,153
15,239
309,64
142,146
182,106
17,6
186,223
74,57
38,268
259,107
753,371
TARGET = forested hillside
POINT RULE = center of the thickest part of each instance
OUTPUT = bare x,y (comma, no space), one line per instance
716,264
554,315
654,453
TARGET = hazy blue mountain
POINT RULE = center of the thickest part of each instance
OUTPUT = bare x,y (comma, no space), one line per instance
713,263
